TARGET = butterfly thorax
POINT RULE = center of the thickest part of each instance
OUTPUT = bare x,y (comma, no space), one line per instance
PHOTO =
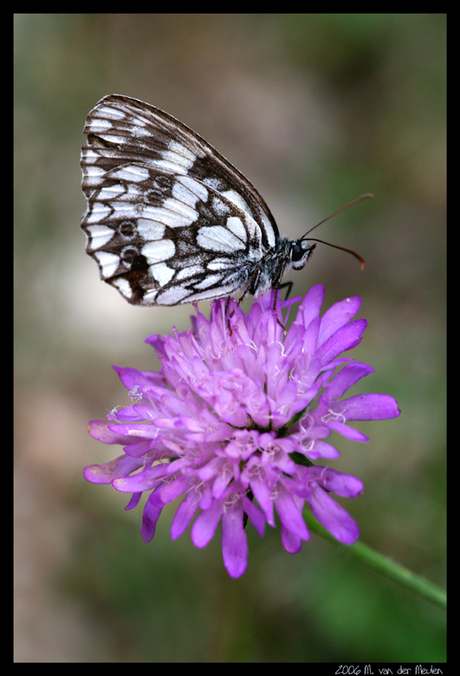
270,270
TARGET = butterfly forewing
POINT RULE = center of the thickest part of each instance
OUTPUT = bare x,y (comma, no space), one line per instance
169,219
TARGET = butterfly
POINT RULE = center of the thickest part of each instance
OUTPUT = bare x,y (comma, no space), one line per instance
169,220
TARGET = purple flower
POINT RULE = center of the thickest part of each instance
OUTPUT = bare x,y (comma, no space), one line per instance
235,419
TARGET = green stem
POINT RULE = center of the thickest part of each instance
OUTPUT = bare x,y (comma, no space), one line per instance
386,566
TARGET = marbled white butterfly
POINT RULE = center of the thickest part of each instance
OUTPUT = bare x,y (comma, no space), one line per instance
169,219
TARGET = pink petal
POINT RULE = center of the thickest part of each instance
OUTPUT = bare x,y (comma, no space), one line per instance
234,543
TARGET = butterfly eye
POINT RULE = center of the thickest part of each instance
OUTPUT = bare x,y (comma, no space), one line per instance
300,253
297,251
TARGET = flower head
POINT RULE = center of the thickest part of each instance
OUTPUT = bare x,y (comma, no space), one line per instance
235,419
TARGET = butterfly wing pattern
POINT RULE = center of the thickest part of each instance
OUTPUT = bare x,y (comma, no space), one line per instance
169,220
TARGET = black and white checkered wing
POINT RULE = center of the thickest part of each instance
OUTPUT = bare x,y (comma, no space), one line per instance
169,219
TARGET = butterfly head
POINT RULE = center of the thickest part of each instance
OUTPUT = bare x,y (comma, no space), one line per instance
300,253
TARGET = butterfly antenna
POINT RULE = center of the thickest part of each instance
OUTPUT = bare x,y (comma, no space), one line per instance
335,246
342,248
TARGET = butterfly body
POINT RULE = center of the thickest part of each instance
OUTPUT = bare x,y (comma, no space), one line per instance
169,219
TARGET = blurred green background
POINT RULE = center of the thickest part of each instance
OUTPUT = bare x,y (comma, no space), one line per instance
315,109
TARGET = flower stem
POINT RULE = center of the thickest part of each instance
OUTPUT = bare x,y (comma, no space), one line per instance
384,565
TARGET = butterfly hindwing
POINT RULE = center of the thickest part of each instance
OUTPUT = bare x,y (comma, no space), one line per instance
146,247
169,220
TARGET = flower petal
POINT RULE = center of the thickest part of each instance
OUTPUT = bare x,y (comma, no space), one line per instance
370,407
152,511
333,517
205,525
291,542
337,316
290,515
107,472
142,481
343,339
347,431
100,430
234,543
335,482
255,515
185,513
346,378
310,307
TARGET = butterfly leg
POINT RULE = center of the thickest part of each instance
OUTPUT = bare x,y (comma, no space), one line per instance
278,286
288,286
227,304
251,284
